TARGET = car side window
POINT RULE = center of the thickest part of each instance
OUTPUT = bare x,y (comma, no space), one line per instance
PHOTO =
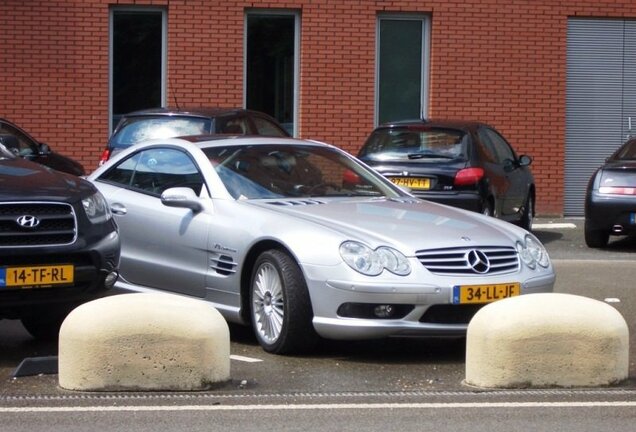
154,170
25,146
504,152
232,125
267,128
486,147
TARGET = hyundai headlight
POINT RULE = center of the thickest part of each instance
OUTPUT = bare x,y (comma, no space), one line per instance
96,208
372,262
532,253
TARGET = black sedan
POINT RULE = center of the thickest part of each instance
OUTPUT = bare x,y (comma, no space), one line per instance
464,164
24,145
610,201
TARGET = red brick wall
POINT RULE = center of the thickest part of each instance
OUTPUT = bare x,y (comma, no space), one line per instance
499,61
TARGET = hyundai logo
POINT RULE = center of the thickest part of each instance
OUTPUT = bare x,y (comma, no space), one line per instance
478,261
28,221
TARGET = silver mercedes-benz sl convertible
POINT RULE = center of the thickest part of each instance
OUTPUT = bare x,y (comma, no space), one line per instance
303,241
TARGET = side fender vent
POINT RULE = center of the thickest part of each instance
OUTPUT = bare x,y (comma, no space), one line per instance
223,264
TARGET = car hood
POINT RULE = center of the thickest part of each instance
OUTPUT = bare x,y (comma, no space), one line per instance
21,180
410,224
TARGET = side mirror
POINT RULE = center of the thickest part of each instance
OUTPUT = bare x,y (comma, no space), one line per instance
44,148
181,197
525,160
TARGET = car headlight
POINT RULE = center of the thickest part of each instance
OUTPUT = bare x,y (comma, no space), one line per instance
532,252
371,262
96,208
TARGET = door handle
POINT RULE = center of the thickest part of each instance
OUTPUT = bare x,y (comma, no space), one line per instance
118,209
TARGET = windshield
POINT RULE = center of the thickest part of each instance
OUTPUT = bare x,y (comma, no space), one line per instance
403,144
135,130
284,171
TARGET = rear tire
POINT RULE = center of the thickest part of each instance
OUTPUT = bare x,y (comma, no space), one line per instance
596,238
488,209
528,214
281,311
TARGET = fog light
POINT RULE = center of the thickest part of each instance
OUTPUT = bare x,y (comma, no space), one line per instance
383,311
110,279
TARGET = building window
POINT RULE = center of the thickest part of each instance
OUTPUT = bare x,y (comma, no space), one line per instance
271,65
402,68
137,60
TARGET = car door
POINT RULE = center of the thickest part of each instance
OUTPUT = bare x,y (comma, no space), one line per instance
516,177
162,247
496,178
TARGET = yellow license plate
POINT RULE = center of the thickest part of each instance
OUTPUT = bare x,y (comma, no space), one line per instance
36,276
412,182
469,294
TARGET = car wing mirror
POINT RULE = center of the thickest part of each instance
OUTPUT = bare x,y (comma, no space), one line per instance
181,197
44,148
525,160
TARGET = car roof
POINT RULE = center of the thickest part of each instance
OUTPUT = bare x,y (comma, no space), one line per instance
207,112
443,123
204,141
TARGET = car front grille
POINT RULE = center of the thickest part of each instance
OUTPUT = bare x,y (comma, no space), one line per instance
465,261
43,224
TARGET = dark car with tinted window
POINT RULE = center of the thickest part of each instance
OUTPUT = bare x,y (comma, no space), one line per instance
24,145
465,164
173,122
59,245
610,200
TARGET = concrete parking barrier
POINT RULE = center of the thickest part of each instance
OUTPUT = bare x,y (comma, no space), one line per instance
137,342
547,340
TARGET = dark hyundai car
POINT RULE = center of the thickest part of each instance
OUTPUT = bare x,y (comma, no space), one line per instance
464,164
610,201
172,122
59,245
24,145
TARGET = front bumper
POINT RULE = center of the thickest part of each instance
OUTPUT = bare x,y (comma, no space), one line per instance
429,308
92,264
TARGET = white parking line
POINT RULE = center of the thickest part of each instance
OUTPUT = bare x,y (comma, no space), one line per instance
245,359
553,225
313,407
612,300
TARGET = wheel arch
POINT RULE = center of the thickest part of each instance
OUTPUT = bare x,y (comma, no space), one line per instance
246,272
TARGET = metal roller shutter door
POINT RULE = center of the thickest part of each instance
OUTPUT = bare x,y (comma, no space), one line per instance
601,95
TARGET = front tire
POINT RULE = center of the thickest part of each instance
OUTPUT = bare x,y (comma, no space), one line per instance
280,306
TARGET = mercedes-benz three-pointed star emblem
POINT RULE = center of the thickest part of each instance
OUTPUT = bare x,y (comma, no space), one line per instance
478,261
